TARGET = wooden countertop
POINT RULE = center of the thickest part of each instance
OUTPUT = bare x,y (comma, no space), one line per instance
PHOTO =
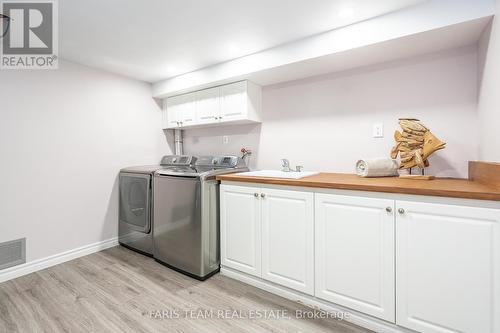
443,187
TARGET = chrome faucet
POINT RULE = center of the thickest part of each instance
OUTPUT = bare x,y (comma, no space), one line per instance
285,166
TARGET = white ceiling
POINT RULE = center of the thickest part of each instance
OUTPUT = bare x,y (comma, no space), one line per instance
157,39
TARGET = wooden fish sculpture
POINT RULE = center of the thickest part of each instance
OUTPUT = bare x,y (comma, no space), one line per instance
414,144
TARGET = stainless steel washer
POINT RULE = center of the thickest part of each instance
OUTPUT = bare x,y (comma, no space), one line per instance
135,205
186,214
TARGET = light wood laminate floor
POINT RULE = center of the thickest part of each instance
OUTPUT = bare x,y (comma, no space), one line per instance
118,290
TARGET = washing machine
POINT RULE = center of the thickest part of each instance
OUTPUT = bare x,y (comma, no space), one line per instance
186,213
135,225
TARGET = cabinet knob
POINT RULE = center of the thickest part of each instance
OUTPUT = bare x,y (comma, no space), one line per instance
262,195
388,209
401,211
256,195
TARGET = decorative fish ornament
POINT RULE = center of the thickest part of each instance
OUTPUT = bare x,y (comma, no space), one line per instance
414,144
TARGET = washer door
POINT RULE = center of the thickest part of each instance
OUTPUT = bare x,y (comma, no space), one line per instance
135,201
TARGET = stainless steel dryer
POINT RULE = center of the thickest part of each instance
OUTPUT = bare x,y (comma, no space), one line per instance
186,214
135,205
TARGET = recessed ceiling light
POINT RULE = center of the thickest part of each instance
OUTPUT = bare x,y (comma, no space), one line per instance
346,13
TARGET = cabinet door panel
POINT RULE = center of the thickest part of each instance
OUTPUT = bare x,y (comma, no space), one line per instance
186,113
355,253
288,238
240,228
170,116
448,268
234,101
208,104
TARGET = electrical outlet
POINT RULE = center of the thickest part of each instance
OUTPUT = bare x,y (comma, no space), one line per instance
378,130
225,139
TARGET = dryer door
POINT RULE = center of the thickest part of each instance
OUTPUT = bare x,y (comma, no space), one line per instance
135,201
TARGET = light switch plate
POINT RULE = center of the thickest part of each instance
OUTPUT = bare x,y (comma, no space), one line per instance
378,130
225,139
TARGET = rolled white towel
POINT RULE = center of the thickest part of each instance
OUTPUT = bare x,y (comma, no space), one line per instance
377,167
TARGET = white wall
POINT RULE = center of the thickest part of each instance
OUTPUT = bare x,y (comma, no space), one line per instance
279,64
64,135
489,92
325,123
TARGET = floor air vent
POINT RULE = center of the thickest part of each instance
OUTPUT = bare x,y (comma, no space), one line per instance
12,253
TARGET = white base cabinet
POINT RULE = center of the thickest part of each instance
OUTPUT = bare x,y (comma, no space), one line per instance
355,253
270,234
448,268
288,239
240,216
428,265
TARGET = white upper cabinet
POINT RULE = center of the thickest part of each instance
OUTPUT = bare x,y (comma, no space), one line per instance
208,106
355,253
448,268
187,111
181,111
238,103
288,238
172,104
234,101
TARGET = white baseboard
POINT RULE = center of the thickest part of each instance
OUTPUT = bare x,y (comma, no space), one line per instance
355,317
39,264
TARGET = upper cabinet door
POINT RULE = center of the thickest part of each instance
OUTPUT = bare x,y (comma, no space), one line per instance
288,238
181,111
355,253
240,226
186,112
208,105
448,268
234,101
170,119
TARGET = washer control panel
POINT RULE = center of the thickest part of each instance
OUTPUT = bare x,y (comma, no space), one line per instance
217,161
179,160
